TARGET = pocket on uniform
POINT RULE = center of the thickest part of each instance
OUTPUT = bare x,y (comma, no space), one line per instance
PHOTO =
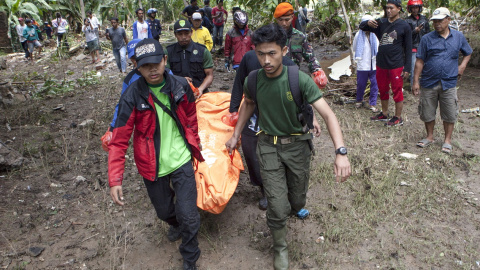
268,158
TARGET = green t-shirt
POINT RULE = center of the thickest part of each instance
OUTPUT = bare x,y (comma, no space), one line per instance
277,109
173,151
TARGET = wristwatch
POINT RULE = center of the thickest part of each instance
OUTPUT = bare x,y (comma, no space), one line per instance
341,150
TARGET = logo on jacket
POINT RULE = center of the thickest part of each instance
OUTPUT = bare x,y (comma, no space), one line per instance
195,52
144,106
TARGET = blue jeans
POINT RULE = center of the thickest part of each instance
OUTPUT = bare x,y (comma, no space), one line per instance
217,35
183,212
121,58
412,70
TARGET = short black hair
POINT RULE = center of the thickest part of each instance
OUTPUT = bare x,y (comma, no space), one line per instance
191,2
235,9
58,15
89,12
219,1
114,19
270,33
138,9
28,21
206,2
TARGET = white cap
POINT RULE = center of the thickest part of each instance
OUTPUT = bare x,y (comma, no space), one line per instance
196,16
440,14
367,17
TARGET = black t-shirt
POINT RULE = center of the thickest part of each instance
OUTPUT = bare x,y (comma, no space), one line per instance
395,47
248,64
190,10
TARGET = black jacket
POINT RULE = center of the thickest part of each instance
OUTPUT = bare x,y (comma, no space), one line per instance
155,28
188,62
413,22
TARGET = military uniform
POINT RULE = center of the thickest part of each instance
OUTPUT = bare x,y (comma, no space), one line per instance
299,48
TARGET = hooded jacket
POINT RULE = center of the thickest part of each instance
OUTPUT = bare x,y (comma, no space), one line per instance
136,112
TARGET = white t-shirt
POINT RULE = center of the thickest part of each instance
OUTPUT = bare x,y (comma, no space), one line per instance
19,29
61,25
94,22
142,30
89,33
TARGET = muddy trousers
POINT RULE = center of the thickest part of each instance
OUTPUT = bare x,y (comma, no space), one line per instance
181,212
285,169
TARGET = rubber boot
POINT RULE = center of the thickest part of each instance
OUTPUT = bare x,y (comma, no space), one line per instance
280,251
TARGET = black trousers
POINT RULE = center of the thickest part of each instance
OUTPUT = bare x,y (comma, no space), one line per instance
183,212
249,145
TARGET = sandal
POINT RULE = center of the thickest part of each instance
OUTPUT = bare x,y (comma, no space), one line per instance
446,148
424,143
373,109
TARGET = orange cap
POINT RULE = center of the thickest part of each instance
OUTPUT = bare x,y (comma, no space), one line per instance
283,9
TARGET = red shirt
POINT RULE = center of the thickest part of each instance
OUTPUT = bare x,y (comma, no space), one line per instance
218,21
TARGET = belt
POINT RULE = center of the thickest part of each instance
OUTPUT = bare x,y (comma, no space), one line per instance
286,139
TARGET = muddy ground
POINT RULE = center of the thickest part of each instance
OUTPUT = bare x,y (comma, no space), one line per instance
55,211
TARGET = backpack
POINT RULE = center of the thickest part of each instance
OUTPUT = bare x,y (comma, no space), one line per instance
305,117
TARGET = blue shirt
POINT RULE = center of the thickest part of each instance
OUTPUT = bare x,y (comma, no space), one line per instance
440,56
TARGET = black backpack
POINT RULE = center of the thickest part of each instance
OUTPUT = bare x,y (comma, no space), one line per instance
305,117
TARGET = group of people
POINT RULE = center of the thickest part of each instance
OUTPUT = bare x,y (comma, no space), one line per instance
157,104
276,122
389,50
30,33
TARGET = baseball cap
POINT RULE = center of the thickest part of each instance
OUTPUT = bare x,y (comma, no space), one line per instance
20,19
196,16
397,3
440,14
131,47
182,25
148,51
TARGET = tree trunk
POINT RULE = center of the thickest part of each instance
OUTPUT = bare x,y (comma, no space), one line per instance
140,3
349,35
82,10
185,3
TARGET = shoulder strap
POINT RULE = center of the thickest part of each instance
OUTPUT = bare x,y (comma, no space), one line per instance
293,82
252,87
159,103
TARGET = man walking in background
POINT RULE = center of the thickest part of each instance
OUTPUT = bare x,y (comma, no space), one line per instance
200,34
119,40
437,62
155,26
218,23
60,26
23,41
141,30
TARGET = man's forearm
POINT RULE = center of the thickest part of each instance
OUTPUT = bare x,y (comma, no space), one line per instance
418,70
245,112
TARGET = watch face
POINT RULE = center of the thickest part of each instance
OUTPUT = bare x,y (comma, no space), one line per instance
342,151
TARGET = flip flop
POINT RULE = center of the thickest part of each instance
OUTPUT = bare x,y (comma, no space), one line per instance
374,109
424,143
446,148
